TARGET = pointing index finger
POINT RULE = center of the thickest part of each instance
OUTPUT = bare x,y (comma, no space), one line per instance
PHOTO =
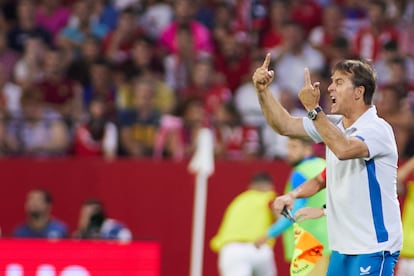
307,78
266,62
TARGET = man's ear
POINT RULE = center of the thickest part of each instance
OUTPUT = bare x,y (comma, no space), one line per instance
359,92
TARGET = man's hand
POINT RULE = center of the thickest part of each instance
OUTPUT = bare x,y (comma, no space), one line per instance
263,77
260,241
309,94
282,201
308,213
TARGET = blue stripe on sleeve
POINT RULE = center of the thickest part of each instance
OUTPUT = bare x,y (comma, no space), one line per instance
360,137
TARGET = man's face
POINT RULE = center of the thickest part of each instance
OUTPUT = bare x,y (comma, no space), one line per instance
36,205
85,215
296,151
53,62
341,92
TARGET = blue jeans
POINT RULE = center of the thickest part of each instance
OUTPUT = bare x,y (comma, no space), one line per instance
375,264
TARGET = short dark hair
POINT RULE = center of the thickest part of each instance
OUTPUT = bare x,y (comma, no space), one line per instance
100,208
362,74
47,196
379,3
262,177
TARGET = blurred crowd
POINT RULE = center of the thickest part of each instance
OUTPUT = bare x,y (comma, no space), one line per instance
139,78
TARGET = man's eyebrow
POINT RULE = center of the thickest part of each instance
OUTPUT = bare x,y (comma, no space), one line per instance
337,79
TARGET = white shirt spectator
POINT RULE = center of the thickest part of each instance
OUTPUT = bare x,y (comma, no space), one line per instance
289,69
12,94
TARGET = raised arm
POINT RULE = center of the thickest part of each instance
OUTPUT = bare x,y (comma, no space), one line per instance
276,115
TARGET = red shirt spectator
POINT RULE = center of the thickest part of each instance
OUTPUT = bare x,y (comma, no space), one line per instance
204,86
237,143
119,43
233,62
56,90
97,136
233,140
307,12
369,42
272,37
370,39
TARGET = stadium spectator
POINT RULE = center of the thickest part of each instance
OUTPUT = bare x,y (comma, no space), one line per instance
78,28
295,54
370,39
401,73
223,22
407,29
95,224
204,84
104,13
118,44
323,37
2,129
39,222
79,68
233,140
355,16
8,56
157,15
143,59
52,16
11,94
232,61
179,64
144,63
176,138
98,136
272,36
204,13
56,90
184,12
29,68
4,18
394,108
37,131
139,125
26,26
395,68
101,85
308,13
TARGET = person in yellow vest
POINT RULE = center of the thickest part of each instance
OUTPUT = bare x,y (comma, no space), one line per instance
406,264
248,216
